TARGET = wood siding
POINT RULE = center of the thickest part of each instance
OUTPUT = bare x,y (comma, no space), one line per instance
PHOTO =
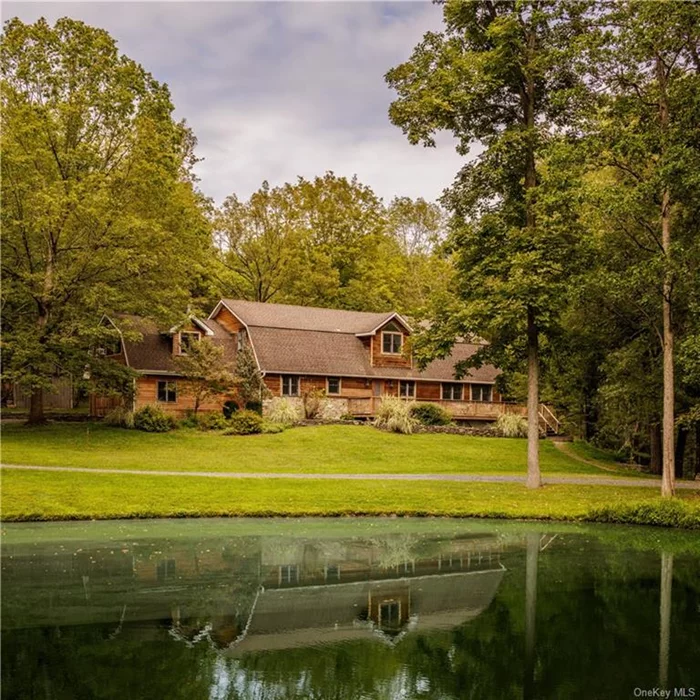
147,393
379,359
350,387
226,319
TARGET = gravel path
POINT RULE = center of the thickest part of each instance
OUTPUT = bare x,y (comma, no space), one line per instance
477,478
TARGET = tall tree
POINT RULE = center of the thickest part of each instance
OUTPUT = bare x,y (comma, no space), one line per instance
648,135
502,74
99,211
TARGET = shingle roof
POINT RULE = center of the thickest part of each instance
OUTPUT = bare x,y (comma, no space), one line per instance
154,351
342,354
306,318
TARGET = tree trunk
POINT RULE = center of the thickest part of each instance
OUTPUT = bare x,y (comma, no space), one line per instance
680,450
534,479
667,476
531,562
36,407
655,448
666,587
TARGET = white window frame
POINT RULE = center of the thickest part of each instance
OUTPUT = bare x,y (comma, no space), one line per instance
168,384
482,386
451,384
290,377
384,352
409,382
328,386
181,333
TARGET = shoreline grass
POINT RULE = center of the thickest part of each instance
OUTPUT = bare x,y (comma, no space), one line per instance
37,496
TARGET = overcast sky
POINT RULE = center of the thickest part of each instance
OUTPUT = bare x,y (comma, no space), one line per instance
276,90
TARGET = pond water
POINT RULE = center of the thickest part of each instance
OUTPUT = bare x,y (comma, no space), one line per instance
347,609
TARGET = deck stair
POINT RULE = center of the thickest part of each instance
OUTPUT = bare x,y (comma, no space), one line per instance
549,423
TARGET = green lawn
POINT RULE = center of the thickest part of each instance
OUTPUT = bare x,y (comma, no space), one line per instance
333,449
46,496
327,449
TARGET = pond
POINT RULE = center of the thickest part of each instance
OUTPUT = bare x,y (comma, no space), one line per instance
348,609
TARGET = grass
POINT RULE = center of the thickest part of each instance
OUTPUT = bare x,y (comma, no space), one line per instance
318,449
329,449
63,496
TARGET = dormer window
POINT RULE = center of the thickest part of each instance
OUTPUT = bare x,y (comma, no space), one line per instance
187,339
392,342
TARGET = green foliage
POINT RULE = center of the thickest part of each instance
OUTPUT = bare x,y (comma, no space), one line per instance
269,428
312,400
395,415
250,386
431,414
153,419
331,242
99,211
245,423
212,421
255,406
510,425
284,412
206,372
120,417
665,513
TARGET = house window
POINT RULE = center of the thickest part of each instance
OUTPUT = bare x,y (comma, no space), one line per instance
288,573
452,392
290,385
391,343
167,391
333,386
481,392
187,339
165,569
407,390
390,613
333,572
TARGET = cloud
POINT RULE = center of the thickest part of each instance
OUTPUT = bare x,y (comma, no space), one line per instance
277,90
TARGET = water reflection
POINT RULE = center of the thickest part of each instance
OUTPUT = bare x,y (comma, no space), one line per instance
204,613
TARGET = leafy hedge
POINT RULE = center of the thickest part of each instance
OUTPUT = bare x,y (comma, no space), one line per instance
431,414
153,419
244,423
670,513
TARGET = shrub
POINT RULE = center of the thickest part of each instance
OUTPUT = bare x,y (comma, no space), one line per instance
283,411
347,417
272,428
230,407
120,417
153,419
431,414
395,414
255,406
312,400
511,425
666,513
244,423
212,421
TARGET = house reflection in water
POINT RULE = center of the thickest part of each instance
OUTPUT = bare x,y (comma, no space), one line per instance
324,592
262,593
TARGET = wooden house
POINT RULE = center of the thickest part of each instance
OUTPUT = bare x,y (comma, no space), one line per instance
354,357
